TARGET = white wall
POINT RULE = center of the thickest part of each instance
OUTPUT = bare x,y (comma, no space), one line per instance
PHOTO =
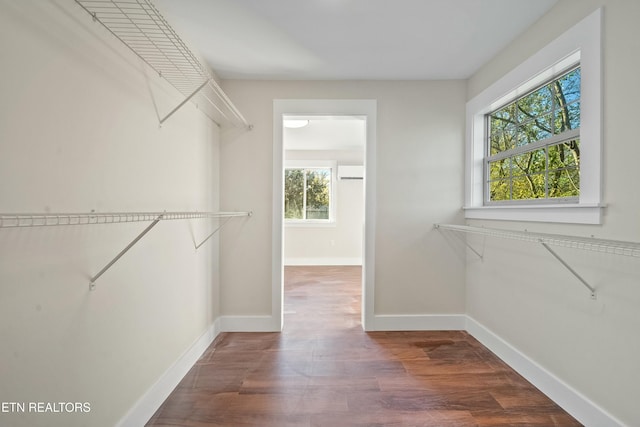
521,293
420,132
78,131
339,243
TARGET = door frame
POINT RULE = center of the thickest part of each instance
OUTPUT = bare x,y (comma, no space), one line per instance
366,108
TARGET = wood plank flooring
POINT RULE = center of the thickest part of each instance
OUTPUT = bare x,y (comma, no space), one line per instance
323,370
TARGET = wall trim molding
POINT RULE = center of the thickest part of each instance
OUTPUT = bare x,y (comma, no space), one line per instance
419,322
323,261
152,399
576,404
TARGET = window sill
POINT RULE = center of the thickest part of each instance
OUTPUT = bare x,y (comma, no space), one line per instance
309,224
575,214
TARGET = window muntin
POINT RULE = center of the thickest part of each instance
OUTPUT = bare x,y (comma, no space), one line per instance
533,145
307,194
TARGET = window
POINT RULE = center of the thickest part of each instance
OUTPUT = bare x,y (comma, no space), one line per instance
534,137
308,195
533,144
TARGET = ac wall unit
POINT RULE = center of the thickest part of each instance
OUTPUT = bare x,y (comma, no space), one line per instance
350,171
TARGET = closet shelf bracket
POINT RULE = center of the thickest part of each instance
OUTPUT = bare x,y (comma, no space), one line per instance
614,247
197,246
568,267
92,284
187,99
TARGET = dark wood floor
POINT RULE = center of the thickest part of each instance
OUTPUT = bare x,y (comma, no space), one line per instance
323,370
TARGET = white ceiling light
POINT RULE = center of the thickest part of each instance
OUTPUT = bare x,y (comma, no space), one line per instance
295,123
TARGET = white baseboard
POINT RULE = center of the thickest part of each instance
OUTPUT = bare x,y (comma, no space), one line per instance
149,403
581,408
429,322
323,261
249,324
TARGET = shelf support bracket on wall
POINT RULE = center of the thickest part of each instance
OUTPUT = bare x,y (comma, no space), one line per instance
249,214
92,284
212,233
469,246
187,99
464,241
568,267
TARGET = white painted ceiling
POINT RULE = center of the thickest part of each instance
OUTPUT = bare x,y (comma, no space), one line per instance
349,39
326,133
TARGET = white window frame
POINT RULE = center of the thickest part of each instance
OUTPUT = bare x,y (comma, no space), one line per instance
581,44
316,164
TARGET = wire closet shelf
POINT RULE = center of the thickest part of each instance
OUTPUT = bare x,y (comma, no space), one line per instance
57,219
62,219
615,247
141,27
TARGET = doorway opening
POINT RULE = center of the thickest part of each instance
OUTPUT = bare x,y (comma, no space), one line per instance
324,192
323,215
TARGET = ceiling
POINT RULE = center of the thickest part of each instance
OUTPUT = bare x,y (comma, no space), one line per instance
326,133
349,39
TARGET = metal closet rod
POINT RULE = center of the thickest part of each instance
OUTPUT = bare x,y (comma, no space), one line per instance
616,247
13,220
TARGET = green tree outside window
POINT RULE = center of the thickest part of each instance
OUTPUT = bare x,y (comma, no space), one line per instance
534,144
307,193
